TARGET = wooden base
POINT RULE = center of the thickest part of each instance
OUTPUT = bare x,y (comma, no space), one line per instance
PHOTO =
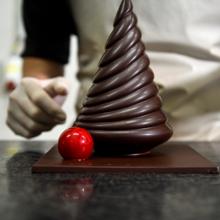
167,158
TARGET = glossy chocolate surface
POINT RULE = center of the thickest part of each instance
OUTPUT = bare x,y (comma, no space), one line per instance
170,157
122,110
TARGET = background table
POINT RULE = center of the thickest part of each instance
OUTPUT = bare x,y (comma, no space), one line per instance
26,196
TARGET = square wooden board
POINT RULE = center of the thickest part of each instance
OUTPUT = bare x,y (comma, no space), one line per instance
167,158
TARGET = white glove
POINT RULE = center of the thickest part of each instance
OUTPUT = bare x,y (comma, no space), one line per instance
35,106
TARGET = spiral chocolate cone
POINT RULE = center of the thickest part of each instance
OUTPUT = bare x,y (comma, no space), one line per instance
122,110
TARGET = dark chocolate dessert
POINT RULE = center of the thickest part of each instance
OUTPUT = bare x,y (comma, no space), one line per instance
122,110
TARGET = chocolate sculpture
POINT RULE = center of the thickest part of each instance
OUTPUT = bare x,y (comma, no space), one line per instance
122,110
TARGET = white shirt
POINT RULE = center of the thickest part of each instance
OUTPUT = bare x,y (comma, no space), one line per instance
182,39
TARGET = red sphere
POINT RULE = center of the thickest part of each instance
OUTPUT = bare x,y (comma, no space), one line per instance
75,143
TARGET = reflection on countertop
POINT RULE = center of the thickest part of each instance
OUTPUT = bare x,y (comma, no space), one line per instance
26,196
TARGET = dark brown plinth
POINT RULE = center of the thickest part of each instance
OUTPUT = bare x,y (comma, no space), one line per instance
168,158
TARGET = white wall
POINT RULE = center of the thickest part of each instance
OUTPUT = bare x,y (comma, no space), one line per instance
7,26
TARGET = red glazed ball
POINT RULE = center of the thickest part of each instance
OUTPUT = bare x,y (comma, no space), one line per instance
75,143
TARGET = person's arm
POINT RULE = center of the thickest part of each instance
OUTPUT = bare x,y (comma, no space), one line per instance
48,25
41,68
32,107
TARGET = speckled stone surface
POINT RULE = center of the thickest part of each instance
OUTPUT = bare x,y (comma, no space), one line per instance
28,196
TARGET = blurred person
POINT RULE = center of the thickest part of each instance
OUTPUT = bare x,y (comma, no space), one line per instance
182,39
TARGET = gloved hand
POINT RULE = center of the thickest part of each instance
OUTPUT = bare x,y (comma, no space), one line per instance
35,106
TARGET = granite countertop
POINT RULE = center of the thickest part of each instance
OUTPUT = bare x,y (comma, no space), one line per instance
28,196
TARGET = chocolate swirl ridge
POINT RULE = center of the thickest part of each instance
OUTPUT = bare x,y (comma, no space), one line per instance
122,110
131,111
121,91
114,82
120,64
